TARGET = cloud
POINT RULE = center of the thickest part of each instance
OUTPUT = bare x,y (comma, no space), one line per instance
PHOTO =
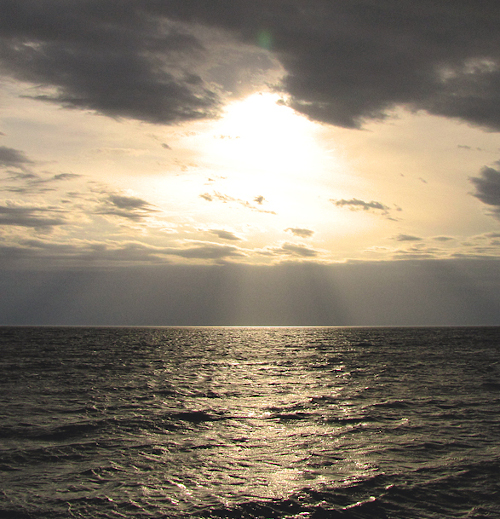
443,238
225,235
206,252
65,176
125,62
227,198
34,183
23,176
343,62
302,233
25,216
129,207
407,237
346,62
128,202
292,249
355,204
10,157
85,253
488,188
145,253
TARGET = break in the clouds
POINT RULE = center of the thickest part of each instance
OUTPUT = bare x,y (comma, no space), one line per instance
343,62
488,188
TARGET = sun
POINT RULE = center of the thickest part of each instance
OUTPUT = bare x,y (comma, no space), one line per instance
264,134
265,147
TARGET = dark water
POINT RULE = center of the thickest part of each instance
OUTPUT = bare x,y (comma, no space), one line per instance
249,422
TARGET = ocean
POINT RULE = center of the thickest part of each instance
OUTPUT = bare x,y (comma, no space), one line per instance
249,422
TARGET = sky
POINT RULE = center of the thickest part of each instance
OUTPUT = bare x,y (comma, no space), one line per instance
247,162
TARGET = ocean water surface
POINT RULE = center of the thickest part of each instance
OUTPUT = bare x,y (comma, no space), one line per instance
249,422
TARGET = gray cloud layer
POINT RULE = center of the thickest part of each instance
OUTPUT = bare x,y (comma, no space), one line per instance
344,62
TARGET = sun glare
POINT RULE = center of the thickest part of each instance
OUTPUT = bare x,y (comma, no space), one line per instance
259,171
266,135
262,144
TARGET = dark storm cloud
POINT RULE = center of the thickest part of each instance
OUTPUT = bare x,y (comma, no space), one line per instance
28,216
225,235
10,157
344,62
302,233
356,204
488,188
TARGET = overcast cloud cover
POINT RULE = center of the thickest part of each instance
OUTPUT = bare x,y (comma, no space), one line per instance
70,215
